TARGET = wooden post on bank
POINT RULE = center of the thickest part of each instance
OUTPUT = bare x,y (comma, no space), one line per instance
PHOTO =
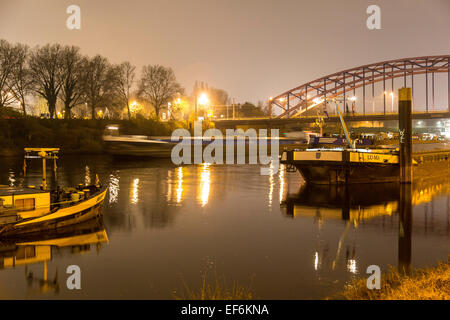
405,134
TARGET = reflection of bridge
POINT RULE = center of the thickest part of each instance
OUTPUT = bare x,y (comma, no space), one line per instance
297,101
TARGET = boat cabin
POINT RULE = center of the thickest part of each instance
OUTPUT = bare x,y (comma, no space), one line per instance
22,203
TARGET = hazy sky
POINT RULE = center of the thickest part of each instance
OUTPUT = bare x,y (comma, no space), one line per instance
251,48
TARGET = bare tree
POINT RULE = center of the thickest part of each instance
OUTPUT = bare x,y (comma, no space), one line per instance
98,82
125,80
71,92
21,81
45,66
158,86
7,63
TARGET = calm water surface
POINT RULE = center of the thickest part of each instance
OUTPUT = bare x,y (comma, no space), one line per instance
168,225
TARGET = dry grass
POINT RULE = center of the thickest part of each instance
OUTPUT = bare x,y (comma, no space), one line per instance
422,284
216,288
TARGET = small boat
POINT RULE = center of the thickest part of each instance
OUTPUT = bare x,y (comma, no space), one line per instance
121,145
28,209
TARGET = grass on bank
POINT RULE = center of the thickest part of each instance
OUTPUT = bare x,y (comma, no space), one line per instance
422,284
215,288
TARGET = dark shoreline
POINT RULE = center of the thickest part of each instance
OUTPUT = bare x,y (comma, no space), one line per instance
72,136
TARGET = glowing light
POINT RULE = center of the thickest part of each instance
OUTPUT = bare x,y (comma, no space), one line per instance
180,184
134,194
271,184
169,185
114,187
317,100
135,107
203,99
353,98
316,261
87,176
270,98
205,184
112,127
282,182
351,266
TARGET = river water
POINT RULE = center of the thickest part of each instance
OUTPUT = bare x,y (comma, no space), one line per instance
166,226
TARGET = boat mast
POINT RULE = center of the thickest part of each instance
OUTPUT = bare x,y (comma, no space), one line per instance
44,154
344,126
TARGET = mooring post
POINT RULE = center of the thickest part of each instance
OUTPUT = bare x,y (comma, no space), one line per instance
405,229
405,134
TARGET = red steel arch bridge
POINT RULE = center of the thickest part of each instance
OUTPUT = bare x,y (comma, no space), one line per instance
344,84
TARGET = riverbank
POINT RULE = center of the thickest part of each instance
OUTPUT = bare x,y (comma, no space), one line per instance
422,284
72,136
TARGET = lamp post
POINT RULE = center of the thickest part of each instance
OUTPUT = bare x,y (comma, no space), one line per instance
202,100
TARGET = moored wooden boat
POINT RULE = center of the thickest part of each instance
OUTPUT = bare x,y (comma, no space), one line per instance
27,210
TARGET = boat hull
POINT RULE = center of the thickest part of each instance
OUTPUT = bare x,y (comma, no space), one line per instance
344,166
332,173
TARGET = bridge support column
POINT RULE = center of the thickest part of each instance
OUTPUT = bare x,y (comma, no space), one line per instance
405,134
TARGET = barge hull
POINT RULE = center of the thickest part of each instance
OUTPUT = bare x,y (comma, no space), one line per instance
344,174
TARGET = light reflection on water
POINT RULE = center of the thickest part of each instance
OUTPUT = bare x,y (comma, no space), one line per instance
179,184
205,184
166,224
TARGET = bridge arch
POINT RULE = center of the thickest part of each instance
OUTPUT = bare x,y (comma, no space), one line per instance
295,102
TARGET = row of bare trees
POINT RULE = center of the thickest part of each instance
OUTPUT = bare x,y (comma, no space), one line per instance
62,72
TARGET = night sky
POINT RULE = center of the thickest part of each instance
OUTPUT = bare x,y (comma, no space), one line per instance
251,48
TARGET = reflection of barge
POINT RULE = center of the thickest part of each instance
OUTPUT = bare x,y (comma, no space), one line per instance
352,202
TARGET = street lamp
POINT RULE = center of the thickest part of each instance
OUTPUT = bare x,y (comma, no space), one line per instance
202,100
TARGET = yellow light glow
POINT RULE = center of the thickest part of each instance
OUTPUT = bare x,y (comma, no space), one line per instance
134,192
282,182
351,266
203,99
316,261
205,184
271,184
180,184
317,100
114,187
